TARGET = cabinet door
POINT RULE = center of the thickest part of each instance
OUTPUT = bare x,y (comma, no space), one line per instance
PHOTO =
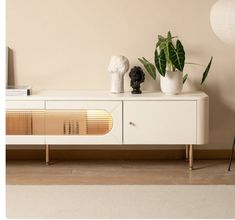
159,122
83,122
25,126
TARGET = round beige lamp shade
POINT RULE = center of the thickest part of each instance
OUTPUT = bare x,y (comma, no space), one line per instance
222,20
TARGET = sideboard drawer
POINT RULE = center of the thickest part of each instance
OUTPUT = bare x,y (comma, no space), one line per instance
71,105
25,104
161,122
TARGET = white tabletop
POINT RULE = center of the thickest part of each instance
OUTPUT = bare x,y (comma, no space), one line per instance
106,95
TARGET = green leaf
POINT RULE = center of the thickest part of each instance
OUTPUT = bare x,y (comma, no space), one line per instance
177,55
165,40
150,68
205,74
164,46
169,36
160,37
191,63
161,40
185,78
158,43
160,62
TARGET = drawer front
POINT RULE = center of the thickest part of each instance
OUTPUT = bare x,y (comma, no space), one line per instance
83,122
70,105
25,105
160,122
25,139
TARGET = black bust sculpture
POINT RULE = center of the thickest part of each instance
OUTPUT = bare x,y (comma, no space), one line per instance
137,77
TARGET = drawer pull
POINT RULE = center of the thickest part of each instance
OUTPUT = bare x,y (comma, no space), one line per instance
131,123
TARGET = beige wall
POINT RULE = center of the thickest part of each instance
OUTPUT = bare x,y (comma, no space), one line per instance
66,44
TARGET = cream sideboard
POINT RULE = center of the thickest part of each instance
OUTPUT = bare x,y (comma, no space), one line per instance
99,118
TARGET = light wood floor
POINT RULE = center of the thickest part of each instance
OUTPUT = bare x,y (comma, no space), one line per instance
119,172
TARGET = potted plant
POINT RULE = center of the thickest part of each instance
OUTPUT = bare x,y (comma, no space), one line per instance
169,60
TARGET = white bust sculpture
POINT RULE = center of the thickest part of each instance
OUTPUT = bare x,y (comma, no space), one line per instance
118,66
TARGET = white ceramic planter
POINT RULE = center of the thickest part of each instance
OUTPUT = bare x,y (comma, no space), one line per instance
172,83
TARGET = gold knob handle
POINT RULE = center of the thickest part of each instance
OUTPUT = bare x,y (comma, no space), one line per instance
131,123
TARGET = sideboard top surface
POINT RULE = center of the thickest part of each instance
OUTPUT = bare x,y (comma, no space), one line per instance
73,95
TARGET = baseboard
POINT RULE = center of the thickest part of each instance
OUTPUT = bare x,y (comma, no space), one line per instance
115,154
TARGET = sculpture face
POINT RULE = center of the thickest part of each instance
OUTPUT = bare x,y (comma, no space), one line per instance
137,77
118,64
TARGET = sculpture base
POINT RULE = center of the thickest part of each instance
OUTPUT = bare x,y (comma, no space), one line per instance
136,91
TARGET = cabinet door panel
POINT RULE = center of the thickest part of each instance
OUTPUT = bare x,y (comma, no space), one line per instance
159,122
83,122
25,126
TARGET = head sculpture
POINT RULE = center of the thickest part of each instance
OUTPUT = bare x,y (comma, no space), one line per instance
137,77
118,66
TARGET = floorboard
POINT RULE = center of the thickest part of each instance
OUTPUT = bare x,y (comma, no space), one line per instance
143,172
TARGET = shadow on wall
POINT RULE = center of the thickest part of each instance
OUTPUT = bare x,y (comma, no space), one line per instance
11,69
222,119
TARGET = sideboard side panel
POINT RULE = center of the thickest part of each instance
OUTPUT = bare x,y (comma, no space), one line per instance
203,121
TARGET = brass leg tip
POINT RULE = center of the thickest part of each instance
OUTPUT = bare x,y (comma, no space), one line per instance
47,163
190,168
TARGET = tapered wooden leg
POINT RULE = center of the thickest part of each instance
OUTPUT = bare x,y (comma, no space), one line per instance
47,154
187,152
191,157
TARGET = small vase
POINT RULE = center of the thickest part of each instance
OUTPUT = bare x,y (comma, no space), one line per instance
117,83
172,83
